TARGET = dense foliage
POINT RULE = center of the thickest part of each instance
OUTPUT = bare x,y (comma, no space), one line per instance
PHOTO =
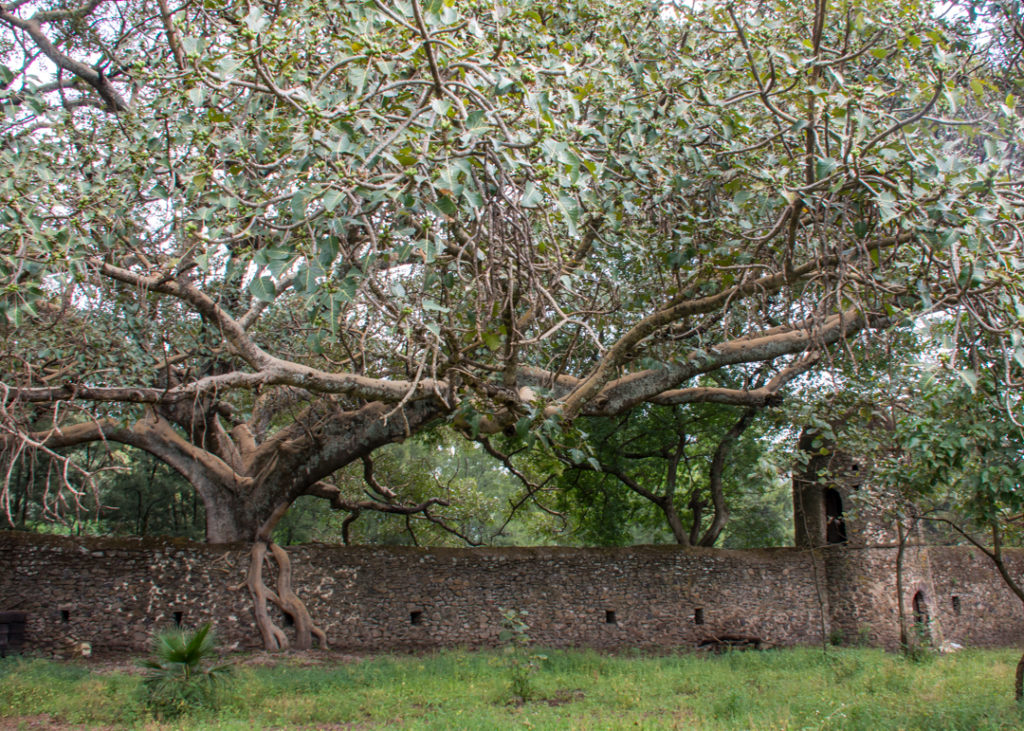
262,241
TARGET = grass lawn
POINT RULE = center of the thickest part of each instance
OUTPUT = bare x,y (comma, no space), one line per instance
774,689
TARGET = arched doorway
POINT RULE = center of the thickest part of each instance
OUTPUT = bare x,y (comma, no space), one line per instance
835,525
921,619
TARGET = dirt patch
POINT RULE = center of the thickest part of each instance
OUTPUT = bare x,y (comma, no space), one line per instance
563,697
43,721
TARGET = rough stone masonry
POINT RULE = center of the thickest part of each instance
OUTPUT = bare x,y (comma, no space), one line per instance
114,593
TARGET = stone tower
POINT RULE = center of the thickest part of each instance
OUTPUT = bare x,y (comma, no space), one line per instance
829,505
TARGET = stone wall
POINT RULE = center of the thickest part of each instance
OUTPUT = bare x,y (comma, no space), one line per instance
114,593
863,606
970,602
963,598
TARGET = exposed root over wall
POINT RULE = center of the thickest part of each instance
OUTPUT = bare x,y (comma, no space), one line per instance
285,599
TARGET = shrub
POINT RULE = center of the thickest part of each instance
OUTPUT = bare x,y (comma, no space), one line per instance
522,664
176,681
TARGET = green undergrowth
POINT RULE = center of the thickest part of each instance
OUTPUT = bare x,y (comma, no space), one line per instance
776,689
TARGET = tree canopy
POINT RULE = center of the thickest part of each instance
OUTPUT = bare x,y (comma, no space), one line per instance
261,240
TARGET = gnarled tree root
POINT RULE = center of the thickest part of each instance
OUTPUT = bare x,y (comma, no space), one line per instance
285,599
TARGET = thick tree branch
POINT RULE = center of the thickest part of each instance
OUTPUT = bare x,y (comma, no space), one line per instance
618,354
623,393
154,435
767,395
338,501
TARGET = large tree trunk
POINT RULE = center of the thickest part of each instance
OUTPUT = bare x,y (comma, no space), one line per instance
225,523
250,516
247,479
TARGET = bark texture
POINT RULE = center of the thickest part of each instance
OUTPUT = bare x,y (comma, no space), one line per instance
285,599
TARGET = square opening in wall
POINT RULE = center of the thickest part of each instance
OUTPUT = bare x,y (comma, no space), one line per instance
416,617
178,616
956,605
698,615
609,617
65,615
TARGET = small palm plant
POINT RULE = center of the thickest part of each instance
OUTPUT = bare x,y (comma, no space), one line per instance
176,681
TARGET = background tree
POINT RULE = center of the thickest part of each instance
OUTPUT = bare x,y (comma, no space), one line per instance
939,429
960,462
481,499
672,459
260,242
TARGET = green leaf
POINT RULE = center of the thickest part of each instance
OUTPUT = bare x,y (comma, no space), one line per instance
969,377
476,121
263,289
823,167
446,206
430,305
255,20
532,195
492,340
332,198
441,106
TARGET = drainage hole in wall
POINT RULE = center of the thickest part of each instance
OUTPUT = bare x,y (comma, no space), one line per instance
65,615
178,616
609,616
698,615
956,605
416,617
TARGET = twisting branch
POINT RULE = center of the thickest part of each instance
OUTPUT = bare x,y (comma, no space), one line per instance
427,41
371,480
94,77
532,488
339,502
